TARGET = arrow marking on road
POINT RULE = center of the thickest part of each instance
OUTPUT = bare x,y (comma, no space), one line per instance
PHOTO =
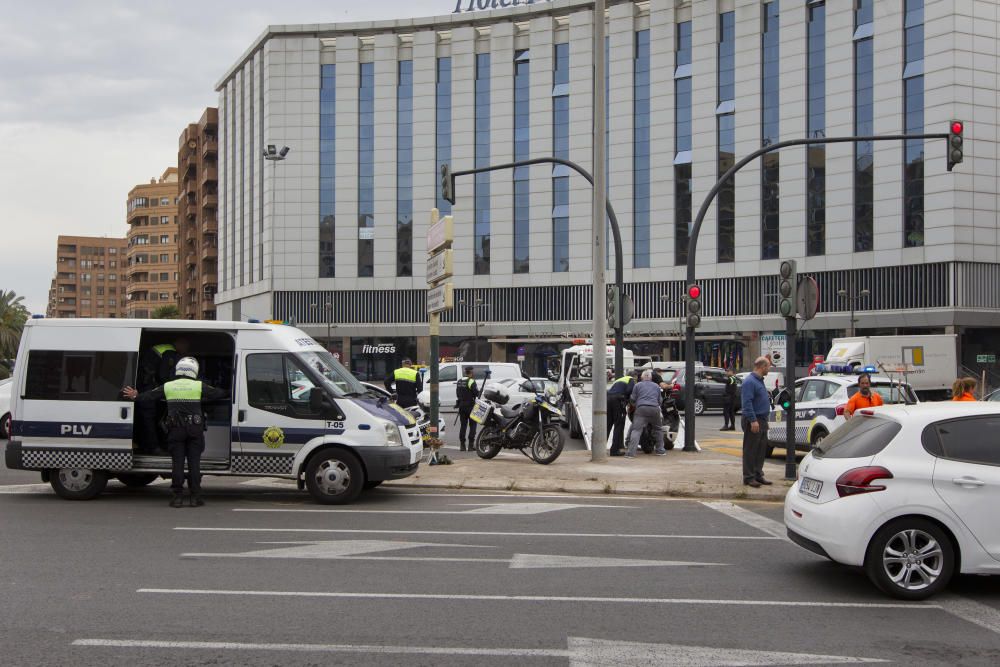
512,509
360,550
762,523
581,652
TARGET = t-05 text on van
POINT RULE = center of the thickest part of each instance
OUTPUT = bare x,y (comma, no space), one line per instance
71,422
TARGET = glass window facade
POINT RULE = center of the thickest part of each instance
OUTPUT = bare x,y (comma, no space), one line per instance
404,169
481,244
640,152
442,110
560,149
913,110
366,170
522,151
816,127
726,124
770,134
327,168
864,117
682,142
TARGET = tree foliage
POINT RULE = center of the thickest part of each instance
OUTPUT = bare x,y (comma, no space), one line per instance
168,312
13,315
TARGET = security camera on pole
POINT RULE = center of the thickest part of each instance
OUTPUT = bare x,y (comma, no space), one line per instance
440,294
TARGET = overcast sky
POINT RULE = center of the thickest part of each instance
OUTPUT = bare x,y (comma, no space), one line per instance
95,95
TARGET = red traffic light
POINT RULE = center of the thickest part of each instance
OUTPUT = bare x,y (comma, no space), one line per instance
694,291
957,126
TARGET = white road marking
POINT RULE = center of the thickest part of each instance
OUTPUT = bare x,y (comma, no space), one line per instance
483,533
762,523
515,509
361,550
581,652
541,598
20,489
969,610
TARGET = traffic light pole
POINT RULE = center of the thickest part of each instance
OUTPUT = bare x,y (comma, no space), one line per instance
790,330
615,233
689,343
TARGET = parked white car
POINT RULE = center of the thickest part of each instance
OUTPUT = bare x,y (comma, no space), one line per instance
772,380
905,492
448,374
5,386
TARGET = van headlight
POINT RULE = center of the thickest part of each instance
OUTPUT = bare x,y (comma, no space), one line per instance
392,437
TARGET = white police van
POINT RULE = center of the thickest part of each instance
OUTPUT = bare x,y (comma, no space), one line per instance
71,422
820,402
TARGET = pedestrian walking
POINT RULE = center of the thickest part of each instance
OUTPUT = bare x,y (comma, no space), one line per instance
865,398
185,425
646,398
618,395
756,403
408,384
729,402
467,392
964,389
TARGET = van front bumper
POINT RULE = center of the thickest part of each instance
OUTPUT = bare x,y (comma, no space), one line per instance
383,463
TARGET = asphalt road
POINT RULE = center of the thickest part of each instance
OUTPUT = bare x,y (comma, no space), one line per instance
261,576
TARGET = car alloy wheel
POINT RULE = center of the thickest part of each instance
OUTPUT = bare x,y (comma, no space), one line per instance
910,558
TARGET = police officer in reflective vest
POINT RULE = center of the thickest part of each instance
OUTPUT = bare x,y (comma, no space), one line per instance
185,425
466,391
618,395
408,384
156,366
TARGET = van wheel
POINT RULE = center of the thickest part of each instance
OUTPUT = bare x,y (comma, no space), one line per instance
78,483
334,477
699,406
137,480
5,426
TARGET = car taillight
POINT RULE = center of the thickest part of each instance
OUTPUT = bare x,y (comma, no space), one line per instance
840,409
859,480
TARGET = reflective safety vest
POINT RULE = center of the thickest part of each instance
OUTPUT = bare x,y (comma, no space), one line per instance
183,389
624,380
405,374
163,348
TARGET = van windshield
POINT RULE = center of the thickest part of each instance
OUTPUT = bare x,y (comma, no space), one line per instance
337,378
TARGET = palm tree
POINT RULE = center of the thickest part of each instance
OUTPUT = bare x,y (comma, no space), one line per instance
13,315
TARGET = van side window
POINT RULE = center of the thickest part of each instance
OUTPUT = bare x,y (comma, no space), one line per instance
55,375
277,383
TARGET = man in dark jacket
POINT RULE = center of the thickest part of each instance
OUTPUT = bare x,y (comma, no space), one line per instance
408,384
618,395
467,393
729,402
186,425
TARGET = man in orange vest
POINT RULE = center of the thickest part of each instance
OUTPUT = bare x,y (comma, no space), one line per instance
865,398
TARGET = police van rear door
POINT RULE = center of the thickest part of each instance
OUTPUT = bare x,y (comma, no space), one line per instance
72,396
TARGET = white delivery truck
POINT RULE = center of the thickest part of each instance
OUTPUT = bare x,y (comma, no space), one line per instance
929,364
293,411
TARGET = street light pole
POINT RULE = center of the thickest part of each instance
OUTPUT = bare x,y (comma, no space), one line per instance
851,298
274,155
477,304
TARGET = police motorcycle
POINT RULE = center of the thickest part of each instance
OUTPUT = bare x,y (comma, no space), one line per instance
531,426
671,422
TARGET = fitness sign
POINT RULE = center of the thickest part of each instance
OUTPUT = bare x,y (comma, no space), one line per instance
466,6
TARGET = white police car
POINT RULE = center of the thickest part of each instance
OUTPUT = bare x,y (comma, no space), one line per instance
819,406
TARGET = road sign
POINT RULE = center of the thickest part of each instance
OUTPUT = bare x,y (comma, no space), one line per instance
807,298
439,266
441,233
440,298
986,358
774,345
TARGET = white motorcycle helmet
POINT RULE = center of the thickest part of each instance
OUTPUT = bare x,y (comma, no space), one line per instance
188,367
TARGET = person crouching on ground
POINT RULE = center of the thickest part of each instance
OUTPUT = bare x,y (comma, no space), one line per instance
756,404
646,399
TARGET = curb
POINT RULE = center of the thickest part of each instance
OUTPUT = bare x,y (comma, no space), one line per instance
669,490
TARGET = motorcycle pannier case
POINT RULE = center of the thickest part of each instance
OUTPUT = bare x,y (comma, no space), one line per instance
498,395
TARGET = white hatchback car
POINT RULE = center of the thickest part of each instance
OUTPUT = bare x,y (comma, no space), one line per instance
819,407
906,492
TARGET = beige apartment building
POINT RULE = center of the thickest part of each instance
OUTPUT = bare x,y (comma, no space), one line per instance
90,278
197,155
152,245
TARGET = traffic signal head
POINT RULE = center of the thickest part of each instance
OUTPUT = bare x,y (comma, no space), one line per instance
447,184
956,140
693,302
788,283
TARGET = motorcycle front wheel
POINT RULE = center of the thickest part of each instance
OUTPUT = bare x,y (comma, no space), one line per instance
547,445
489,442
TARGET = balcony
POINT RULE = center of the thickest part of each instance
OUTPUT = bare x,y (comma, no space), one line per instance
210,201
209,226
189,165
209,147
209,250
209,174
138,215
189,207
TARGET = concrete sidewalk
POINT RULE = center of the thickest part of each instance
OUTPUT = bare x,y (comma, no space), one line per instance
715,472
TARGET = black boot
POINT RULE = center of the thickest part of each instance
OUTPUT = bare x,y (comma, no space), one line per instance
177,500
197,500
